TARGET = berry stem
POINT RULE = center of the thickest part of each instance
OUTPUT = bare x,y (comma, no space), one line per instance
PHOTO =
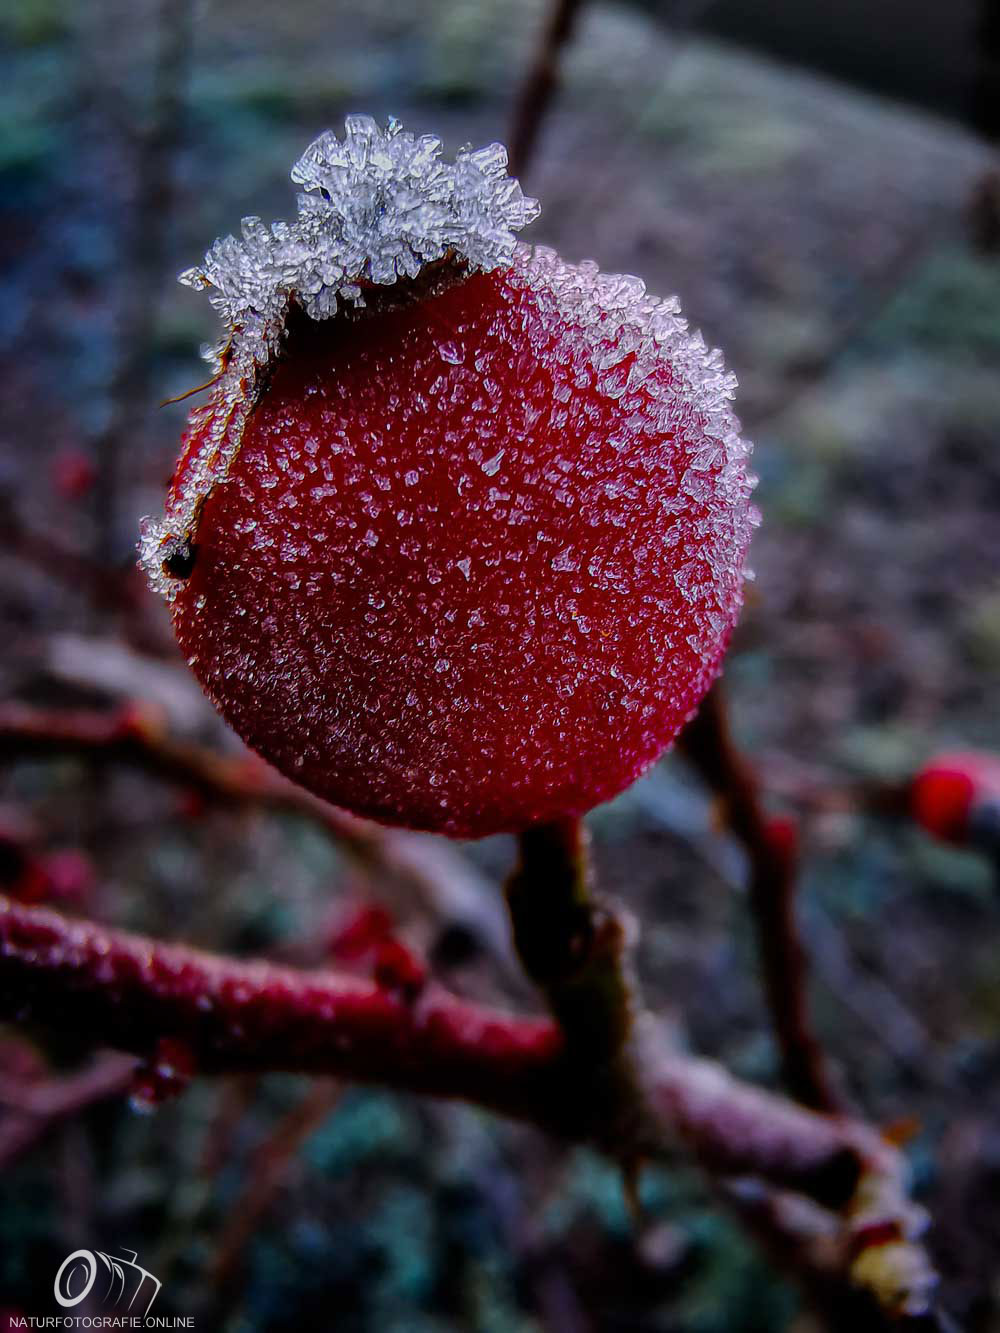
572,947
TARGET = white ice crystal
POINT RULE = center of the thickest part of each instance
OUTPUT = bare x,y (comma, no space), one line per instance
376,206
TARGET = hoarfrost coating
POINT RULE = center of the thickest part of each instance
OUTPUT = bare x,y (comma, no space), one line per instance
376,206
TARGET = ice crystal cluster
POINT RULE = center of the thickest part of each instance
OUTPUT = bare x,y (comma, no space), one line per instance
376,206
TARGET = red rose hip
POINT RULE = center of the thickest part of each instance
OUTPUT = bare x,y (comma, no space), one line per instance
457,541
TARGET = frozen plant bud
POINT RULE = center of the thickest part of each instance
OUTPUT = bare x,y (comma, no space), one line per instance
457,540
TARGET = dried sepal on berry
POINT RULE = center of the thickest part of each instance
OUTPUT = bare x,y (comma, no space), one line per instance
466,556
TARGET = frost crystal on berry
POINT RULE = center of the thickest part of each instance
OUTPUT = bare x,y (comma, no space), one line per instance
376,206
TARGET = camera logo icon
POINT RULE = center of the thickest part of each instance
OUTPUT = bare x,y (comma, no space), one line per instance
79,1272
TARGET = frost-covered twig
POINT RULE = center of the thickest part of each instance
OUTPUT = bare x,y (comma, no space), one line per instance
249,1016
708,745
234,1016
808,1243
130,991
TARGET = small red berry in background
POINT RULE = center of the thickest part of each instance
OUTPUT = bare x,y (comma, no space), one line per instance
31,875
22,873
783,835
139,720
956,797
73,474
71,875
458,540
191,805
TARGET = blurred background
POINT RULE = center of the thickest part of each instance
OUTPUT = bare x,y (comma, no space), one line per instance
820,186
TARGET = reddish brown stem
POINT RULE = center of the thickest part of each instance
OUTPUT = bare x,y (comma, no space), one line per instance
129,991
708,744
266,1174
129,736
539,86
30,1109
237,1017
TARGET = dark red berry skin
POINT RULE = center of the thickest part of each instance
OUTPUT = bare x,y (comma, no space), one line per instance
456,578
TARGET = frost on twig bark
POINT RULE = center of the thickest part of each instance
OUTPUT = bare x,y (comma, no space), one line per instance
248,1016
110,986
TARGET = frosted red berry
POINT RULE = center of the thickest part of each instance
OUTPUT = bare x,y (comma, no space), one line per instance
479,550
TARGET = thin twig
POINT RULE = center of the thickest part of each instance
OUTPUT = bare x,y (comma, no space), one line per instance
266,1174
538,89
708,745
108,587
28,1110
145,248
426,867
803,374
